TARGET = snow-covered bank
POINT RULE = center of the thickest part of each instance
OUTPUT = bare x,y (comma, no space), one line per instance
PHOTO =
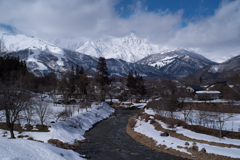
212,145
171,142
66,131
74,128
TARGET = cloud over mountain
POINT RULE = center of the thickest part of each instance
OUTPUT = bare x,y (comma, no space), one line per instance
216,36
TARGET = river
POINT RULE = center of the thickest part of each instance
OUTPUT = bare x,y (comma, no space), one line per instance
109,141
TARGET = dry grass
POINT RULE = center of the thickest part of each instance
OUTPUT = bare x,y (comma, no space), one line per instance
132,122
149,142
60,144
115,105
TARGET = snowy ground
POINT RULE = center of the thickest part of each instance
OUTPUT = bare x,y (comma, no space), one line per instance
206,119
171,142
67,131
22,149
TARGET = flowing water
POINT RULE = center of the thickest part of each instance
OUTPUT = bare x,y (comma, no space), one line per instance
109,141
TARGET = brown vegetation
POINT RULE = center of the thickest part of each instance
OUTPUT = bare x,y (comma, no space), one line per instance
60,144
17,127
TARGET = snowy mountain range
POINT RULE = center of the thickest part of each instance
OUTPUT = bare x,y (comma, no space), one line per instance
129,48
177,63
44,58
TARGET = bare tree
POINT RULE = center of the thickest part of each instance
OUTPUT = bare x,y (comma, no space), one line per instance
65,114
64,89
12,102
221,118
43,111
85,105
186,111
29,112
90,92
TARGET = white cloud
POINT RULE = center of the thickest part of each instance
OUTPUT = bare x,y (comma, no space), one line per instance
215,37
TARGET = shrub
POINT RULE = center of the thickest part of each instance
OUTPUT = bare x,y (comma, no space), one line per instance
22,136
42,128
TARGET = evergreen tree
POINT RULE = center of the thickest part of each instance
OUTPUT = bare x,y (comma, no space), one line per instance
11,68
200,79
130,80
77,72
141,87
81,71
135,84
102,76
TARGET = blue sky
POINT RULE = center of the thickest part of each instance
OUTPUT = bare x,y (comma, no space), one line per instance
210,27
193,9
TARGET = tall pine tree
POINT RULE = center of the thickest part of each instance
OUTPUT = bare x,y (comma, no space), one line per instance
102,76
131,82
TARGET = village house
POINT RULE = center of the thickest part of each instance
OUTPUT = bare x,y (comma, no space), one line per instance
226,92
194,88
207,95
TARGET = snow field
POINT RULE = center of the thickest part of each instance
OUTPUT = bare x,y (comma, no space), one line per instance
22,149
171,142
231,120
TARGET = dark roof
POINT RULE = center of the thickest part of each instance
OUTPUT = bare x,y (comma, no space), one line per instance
196,87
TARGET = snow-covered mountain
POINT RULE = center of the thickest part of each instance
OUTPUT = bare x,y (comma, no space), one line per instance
177,63
223,71
44,58
231,64
20,42
43,63
129,48
32,50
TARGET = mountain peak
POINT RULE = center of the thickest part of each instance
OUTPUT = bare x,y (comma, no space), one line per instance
133,35
129,48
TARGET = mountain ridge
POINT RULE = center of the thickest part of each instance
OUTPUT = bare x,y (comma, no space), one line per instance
177,63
